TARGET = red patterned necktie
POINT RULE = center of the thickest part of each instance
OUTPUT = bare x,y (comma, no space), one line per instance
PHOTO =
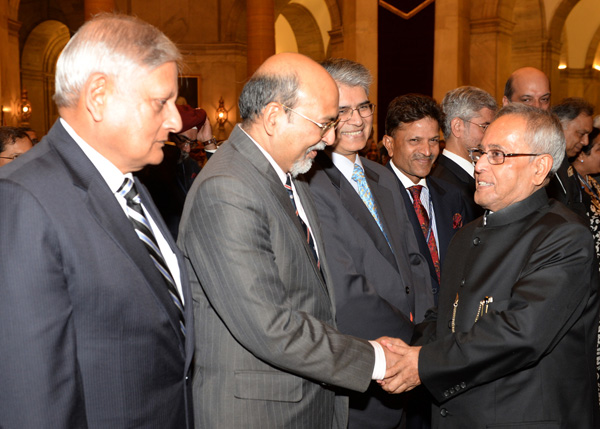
415,191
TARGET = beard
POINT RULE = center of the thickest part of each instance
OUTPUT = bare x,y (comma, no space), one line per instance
302,166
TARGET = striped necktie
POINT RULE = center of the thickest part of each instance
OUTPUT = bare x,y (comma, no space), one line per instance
309,237
415,191
358,175
140,223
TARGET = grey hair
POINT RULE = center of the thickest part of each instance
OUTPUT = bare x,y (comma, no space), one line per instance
543,133
464,102
570,108
115,45
348,72
264,88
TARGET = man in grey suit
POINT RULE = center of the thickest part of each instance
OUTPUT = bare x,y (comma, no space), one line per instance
96,322
268,352
513,343
376,268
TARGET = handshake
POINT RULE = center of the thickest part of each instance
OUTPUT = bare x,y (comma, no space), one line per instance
402,362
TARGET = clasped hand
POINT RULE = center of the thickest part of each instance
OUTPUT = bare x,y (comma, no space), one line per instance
402,363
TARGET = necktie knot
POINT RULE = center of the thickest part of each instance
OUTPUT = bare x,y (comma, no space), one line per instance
358,173
415,192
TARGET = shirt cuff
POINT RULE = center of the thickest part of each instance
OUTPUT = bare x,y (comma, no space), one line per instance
380,365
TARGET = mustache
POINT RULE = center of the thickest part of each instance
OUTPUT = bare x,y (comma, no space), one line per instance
419,157
318,146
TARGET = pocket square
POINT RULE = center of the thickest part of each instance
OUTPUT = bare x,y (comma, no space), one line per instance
457,221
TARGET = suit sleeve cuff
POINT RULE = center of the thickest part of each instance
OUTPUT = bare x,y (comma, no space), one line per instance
380,366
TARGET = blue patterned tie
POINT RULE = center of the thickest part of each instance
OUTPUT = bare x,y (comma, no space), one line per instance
358,175
135,213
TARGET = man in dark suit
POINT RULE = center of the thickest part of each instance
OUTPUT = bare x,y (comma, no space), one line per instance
576,118
514,338
468,111
268,352
435,207
374,260
96,325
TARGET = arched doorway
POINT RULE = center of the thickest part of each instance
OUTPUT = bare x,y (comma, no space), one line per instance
38,64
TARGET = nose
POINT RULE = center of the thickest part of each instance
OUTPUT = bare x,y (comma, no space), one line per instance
173,119
426,149
186,148
585,140
482,163
329,136
536,103
355,118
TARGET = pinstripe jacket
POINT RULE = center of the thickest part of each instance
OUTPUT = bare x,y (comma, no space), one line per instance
268,350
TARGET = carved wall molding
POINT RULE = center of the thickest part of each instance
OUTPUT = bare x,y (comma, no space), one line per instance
402,14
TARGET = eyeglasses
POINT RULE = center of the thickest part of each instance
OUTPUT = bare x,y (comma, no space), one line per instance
495,156
193,144
483,127
324,127
364,110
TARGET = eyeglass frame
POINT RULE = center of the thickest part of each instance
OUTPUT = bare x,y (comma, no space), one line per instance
371,105
483,127
15,156
193,144
504,155
324,127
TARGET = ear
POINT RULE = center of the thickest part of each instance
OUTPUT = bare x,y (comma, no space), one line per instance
271,116
388,142
457,127
95,92
542,166
505,101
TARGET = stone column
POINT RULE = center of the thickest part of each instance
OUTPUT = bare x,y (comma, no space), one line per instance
451,46
93,7
360,39
490,54
260,22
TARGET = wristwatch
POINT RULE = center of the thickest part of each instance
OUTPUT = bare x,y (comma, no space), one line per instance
210,141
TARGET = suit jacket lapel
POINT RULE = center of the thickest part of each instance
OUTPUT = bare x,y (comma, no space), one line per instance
248,149
352,202
443,216
104,207
457,170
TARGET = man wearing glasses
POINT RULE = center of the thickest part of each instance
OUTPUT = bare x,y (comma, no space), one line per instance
380,279
468,111
268,352
513,343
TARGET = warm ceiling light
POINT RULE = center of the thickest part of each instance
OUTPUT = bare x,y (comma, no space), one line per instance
597,67
562,66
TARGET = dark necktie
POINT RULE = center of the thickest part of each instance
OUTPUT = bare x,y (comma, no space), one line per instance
140,223
309,238
415,191
358,175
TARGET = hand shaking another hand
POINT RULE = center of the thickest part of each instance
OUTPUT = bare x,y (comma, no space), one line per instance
402,363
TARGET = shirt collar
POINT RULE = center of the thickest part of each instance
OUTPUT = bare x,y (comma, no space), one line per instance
109,172
280,173
345,166
462,163
406,182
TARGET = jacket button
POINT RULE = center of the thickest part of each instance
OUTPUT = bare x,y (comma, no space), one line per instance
407,290
463,385
443,412
452,391
446,394
476,241
457,387
462,282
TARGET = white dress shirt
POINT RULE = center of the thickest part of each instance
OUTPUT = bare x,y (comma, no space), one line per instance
462,163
